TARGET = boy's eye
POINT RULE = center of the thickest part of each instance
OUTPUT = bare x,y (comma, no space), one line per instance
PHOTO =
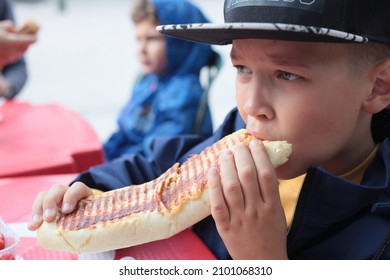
149,39
288,76
155,38
242,69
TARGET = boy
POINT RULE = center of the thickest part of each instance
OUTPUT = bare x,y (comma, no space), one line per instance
314,73
170,83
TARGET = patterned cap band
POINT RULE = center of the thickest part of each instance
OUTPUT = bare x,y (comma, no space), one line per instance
307,5
298,20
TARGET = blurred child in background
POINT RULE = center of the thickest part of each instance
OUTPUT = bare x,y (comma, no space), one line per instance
165,100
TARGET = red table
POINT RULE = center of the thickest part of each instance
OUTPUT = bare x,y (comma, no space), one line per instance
45,139
18,194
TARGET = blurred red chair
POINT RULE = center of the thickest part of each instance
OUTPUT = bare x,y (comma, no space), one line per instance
45,139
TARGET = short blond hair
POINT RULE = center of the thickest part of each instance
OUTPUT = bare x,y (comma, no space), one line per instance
369,54
144,10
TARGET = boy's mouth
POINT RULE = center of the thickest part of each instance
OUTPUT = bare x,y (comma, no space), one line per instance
258,135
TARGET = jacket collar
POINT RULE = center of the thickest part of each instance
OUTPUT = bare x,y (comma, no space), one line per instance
329,207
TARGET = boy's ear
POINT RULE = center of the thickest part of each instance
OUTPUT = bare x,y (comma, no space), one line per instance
380,94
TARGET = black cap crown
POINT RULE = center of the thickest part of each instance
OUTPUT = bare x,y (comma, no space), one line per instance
298,20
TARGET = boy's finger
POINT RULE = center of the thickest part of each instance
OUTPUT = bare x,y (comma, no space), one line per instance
219,209
52,201
37,212
75,192
247,173
266,172
231,184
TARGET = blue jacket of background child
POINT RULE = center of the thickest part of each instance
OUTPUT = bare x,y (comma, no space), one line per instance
165,105
334,218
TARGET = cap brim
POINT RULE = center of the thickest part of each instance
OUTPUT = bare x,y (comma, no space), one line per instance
223,34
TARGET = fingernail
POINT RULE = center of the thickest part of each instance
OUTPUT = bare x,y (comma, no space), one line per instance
36,218
213,172
254,142
226,153
66,207
48,212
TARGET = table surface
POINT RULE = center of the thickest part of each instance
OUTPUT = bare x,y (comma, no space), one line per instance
45,139
17,196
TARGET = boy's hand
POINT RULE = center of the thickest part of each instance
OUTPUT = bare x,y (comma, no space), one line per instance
246,206
57,198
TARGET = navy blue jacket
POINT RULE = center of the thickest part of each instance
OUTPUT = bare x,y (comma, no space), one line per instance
334,219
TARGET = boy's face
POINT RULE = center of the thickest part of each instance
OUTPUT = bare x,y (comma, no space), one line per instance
307,94
151,48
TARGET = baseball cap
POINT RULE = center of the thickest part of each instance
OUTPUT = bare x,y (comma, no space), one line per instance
298,20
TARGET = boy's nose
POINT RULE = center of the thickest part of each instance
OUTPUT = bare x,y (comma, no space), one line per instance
257,103
141,45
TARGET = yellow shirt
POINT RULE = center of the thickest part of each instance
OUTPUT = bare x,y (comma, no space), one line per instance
356,174
290,189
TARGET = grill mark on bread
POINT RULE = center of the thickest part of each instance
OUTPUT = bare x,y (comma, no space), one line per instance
171,189
118,203
106,208
172,202
170,192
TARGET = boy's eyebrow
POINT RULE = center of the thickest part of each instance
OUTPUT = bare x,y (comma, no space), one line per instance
232,55
286,60
282,60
